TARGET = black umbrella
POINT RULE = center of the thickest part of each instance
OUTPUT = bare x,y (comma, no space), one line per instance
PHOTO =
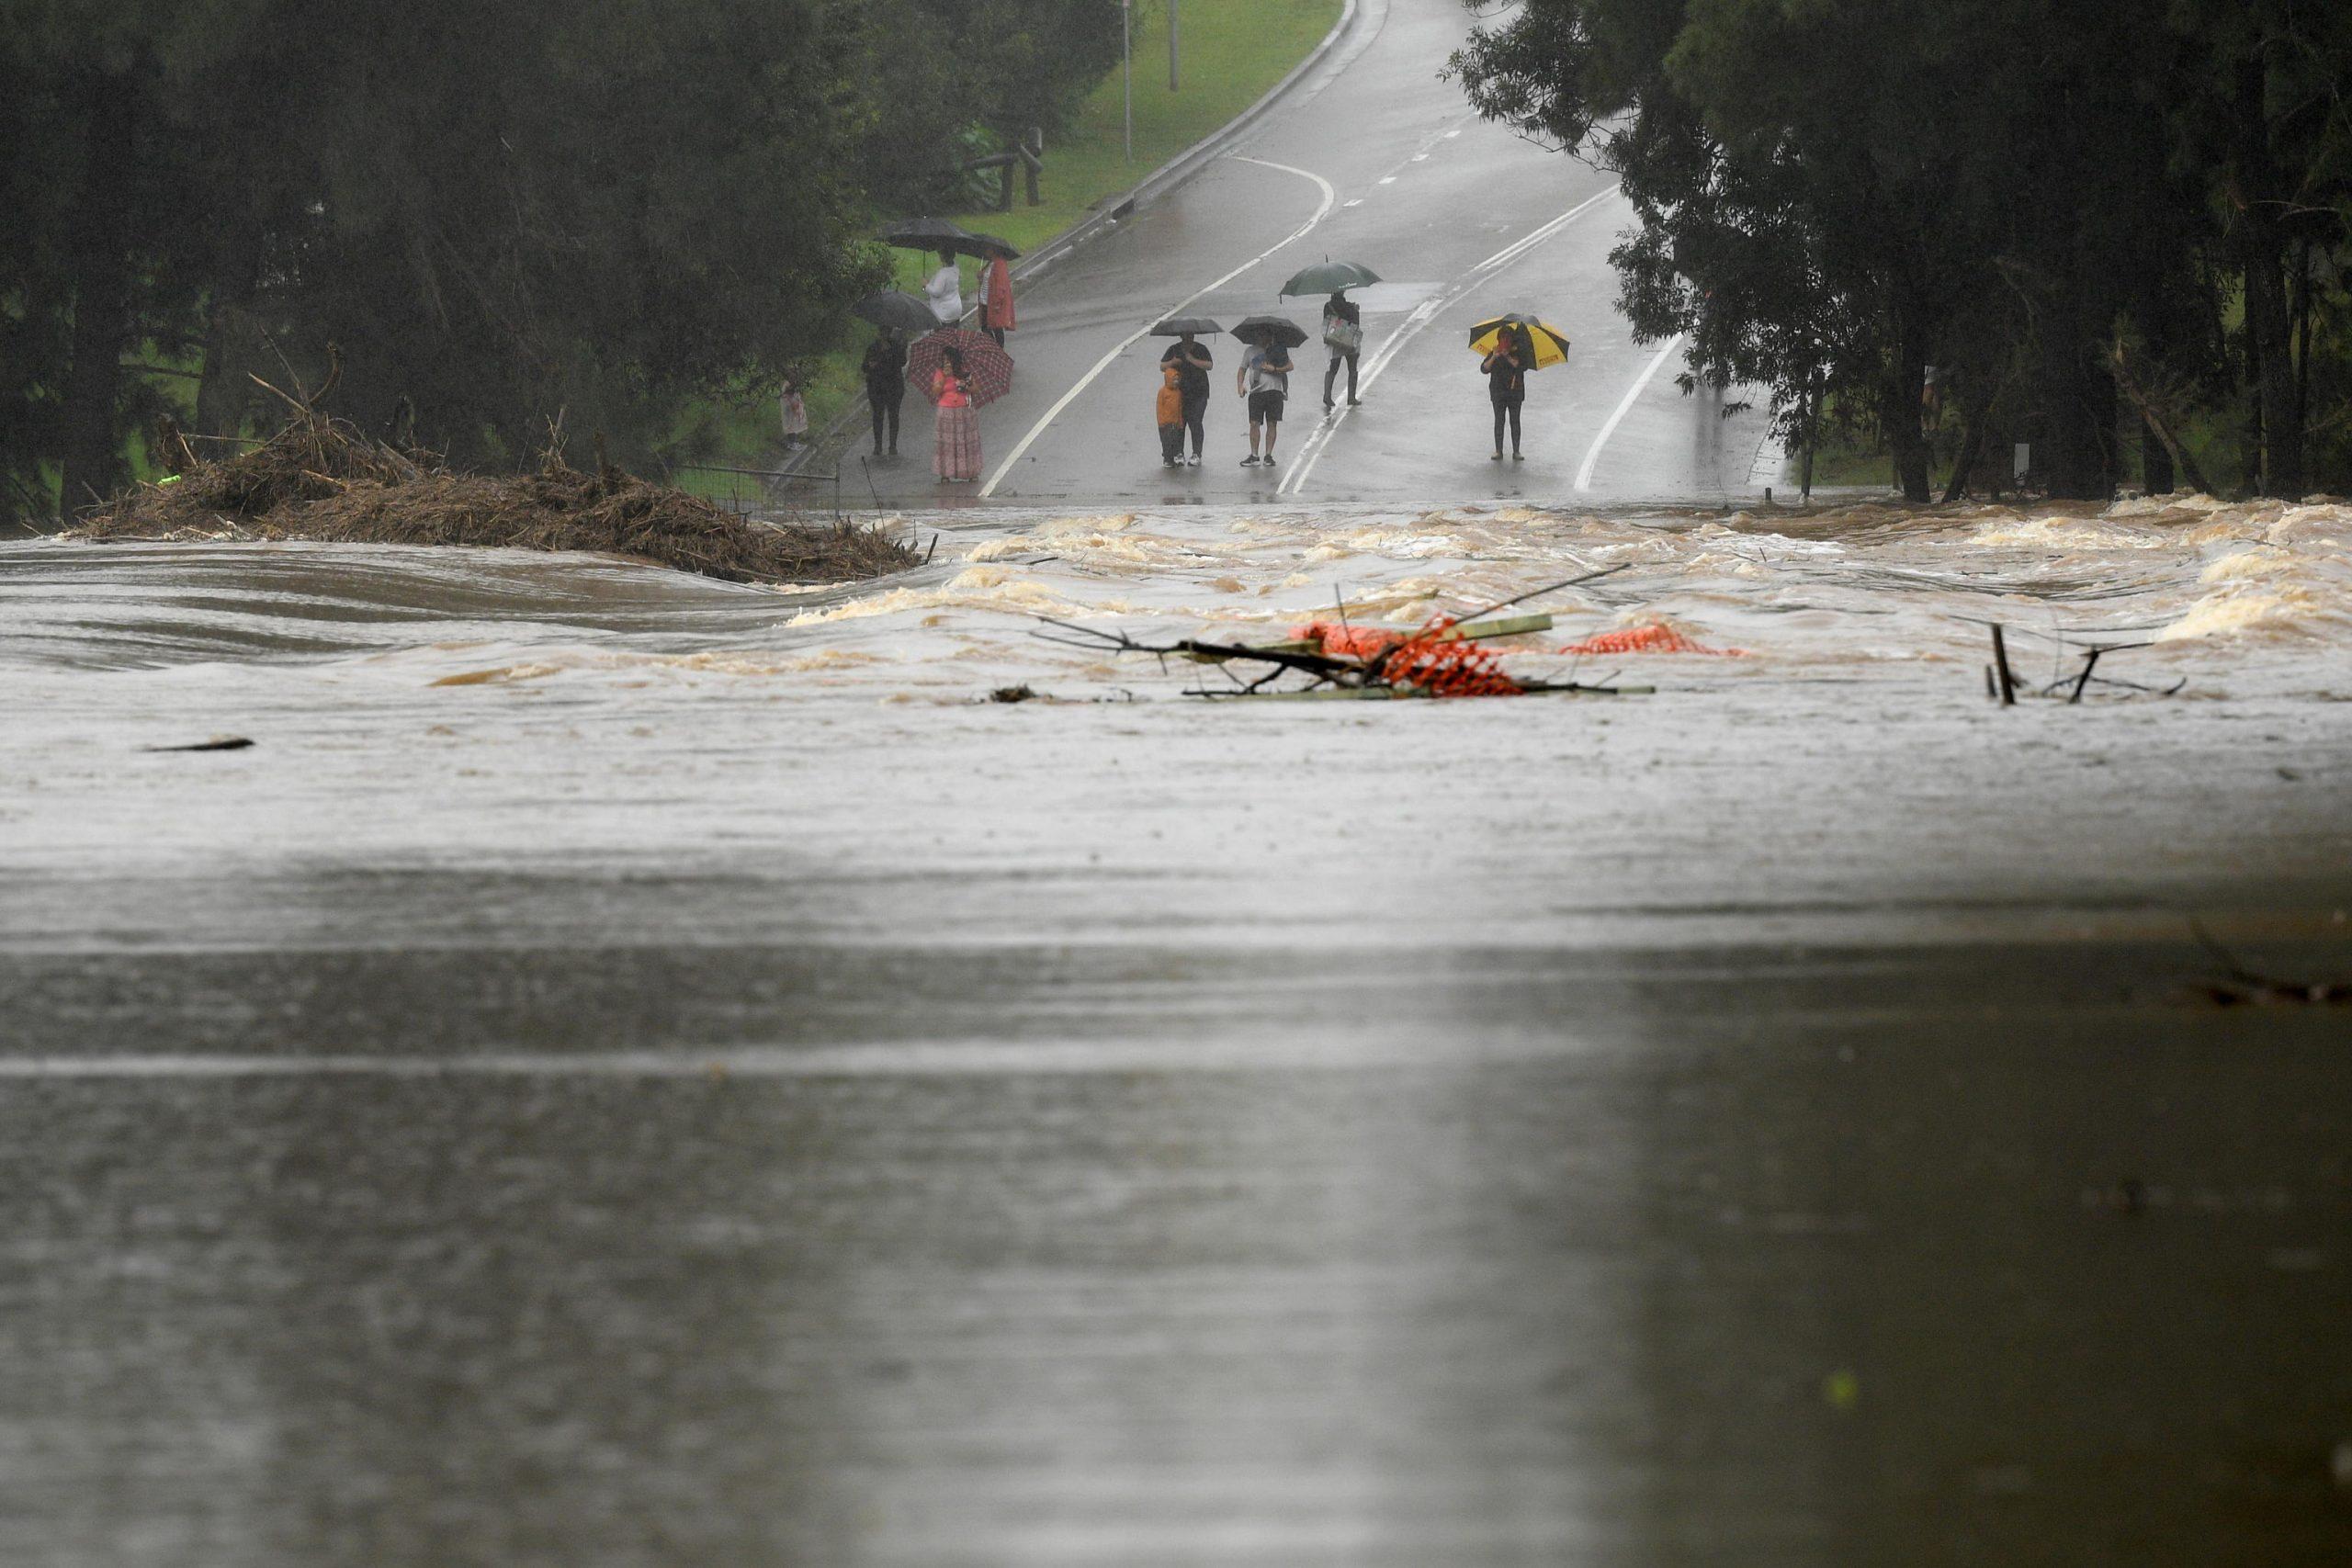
987,245
929,234
1330,277
1262,330
1177,326
893,308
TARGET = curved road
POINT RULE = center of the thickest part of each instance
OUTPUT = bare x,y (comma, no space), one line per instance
1374,157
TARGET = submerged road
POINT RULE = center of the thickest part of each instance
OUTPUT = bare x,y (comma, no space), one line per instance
1371,157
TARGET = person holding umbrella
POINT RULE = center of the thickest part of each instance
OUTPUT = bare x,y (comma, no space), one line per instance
884,368
1192,361
1512,345
1342,320
945,290
964,372
1505,367
1265,378
956,452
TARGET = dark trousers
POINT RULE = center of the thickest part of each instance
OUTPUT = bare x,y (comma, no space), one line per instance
1195,409
885,408
1507,406
1332,371
1171,442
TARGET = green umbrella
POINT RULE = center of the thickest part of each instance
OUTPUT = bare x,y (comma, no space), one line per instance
1329,277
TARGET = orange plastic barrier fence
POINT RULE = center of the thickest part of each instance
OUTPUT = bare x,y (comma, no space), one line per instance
1656,637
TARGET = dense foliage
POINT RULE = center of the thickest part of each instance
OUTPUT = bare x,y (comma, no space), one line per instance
487,215
2106,226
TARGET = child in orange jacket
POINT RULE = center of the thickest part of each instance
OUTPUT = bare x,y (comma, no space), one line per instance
1171,410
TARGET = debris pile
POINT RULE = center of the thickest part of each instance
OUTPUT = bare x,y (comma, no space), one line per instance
320,478
1335,658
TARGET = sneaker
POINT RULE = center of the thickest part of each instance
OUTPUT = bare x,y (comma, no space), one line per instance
1194,459
1250,461
1517,459
1356,402
1497,457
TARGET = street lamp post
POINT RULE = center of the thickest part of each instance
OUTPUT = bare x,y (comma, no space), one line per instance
1127,69
1172,45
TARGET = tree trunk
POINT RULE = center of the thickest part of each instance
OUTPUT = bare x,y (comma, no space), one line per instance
1899,396
100,242
2262,250
229,336
2155,462
1971,444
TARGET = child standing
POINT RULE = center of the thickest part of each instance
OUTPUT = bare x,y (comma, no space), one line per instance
1171,411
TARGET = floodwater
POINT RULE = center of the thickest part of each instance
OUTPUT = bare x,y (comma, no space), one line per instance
632,1070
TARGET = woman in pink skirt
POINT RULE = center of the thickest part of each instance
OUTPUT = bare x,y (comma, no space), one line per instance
956,457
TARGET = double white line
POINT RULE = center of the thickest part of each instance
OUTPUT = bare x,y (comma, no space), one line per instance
1294,479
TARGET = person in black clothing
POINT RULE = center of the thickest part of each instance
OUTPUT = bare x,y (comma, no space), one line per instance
1191,357
1506,368
1343,335
885,385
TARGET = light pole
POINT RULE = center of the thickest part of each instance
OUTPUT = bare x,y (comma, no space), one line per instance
1172,45
1127,69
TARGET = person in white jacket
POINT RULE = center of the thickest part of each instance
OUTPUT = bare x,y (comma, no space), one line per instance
945,290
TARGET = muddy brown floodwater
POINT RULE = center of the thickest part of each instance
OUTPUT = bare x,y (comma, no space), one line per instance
631,1070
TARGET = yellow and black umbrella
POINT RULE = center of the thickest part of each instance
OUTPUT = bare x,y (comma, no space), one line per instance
1550,344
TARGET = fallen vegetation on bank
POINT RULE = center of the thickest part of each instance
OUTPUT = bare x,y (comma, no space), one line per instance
321,480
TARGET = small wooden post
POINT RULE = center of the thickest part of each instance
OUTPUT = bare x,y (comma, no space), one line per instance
2001,665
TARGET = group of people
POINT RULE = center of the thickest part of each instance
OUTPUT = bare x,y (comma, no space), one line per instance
1264,379
956,447
1182,405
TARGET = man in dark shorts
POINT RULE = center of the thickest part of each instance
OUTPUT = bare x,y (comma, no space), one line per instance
885,367
1265,378
1191,357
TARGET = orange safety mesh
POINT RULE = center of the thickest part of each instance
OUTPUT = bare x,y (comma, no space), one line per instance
1654,638
1423,660
1446,668
1341,641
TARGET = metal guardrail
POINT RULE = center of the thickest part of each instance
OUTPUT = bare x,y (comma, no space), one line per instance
754,490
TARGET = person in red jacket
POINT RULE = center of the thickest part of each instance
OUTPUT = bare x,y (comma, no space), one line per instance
996,300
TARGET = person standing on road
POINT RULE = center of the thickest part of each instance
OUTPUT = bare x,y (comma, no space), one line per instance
956,455
1193,362
1343,335
996,300
945,290
1167,408
795,408
1506,368
1264,376
885,369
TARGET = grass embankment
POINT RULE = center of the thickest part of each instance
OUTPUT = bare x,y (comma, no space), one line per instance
1230,53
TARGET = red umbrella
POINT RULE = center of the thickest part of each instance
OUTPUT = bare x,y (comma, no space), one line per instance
988,369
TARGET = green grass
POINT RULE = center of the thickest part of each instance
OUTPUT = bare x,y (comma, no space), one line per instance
1231,52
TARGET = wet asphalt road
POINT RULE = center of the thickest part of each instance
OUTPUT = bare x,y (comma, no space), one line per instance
1012,1255
1373,158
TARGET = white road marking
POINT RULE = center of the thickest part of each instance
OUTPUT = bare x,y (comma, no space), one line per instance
1330,196
1302,466
1592,454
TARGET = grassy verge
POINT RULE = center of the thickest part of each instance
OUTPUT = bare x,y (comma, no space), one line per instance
1230,53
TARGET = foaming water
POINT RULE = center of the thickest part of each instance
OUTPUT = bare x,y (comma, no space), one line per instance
1845,585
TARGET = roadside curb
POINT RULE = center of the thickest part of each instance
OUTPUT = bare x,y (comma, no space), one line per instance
1174,172
1114,210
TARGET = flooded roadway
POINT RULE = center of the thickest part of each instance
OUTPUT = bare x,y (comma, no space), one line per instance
630,1070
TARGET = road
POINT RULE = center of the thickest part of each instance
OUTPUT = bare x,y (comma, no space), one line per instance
1371,157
